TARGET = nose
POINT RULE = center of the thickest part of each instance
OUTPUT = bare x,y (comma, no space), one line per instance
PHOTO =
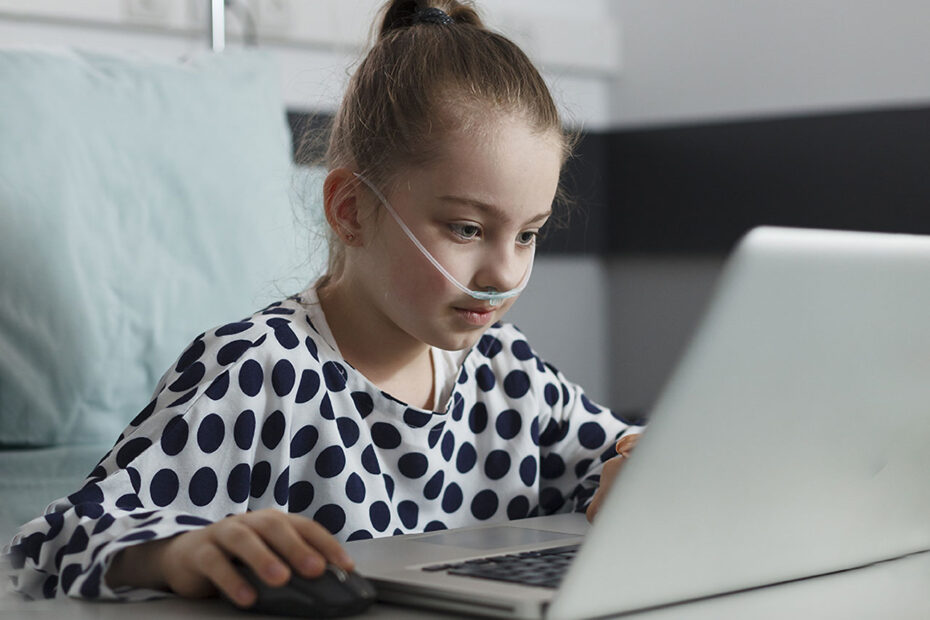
503,268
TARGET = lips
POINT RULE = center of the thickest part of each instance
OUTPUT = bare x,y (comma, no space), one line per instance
480,315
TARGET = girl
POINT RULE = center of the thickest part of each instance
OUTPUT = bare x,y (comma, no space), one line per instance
385,399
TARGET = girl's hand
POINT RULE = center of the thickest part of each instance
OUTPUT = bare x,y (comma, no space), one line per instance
612,467
197,563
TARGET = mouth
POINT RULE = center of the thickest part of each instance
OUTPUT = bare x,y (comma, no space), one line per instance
479,315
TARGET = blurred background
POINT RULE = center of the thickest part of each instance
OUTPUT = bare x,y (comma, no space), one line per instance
699,119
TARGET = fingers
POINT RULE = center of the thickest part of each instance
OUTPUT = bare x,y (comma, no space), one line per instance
210,561
324,542
626,444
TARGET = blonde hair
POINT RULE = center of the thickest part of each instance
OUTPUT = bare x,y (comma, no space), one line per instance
420,79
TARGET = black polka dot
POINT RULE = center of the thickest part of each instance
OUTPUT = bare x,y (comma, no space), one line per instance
232,351
334,374
565,395
355,489
233,328
551,394
300,496
332,517
591,435
359,535
434,434
326,408
528,470
434,486
330,462
273,429
409,513
521,350
551,466
251,378
309,386
103,523
413,464
384,435
304,441
174,436
516,383
484,504
497,464
478,418
189,378
144,414
261,476
238,483
282,486
203,486
550,500
278,311
416,419
283,333
589,406
90,511
458,408
630,418
218,388
348,431
518,508
131,449
210,433
466,458
363,403
244,429
191,520
388,485
434,526
485,378
190,355
370,460
89,493
56,522
69,574
581,467
489,346
508,424
448,445
283,377
380,515
50,586
183,399
463,376
164,487
452,498
311,346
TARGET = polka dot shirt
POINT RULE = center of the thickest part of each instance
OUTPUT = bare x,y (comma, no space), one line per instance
265,413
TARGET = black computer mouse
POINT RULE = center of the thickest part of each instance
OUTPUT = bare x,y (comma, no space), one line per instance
336,592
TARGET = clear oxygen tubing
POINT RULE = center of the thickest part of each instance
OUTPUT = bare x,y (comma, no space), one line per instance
493,297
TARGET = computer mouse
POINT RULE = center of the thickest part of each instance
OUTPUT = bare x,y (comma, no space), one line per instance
336,592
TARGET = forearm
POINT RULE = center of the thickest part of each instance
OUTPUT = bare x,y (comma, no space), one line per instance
139,566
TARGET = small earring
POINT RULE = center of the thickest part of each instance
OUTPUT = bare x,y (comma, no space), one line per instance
350,237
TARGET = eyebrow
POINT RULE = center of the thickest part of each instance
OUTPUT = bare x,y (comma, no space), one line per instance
491,209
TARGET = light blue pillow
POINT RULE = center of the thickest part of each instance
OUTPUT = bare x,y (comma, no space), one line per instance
141,202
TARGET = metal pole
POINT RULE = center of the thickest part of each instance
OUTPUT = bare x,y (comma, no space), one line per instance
217,25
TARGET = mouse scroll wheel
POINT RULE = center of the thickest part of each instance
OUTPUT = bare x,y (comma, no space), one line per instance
341,575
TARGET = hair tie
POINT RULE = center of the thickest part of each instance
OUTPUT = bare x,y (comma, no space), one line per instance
432,15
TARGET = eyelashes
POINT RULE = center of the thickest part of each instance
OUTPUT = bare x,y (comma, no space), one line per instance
470,232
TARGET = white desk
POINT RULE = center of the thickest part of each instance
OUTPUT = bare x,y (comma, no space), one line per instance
898,590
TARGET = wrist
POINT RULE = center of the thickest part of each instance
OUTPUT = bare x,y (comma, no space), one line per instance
139,566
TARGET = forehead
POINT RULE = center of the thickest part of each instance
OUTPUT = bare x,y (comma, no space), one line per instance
504,163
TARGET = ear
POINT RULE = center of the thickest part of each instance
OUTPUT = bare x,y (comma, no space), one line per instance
340,202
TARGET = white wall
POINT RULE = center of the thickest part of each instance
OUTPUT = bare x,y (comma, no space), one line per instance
686,60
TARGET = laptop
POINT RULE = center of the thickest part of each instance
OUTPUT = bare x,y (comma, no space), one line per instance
790,442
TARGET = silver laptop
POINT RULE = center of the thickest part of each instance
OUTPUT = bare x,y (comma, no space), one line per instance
792,441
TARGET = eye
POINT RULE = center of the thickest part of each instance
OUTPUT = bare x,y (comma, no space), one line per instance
528,237
465,231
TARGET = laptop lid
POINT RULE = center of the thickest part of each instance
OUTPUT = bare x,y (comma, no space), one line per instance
791,441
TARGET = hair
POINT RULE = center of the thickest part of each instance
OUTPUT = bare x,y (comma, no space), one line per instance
421,79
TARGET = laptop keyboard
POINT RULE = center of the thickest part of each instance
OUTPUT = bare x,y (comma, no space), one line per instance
543,569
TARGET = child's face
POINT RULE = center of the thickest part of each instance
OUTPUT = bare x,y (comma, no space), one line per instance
476,208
